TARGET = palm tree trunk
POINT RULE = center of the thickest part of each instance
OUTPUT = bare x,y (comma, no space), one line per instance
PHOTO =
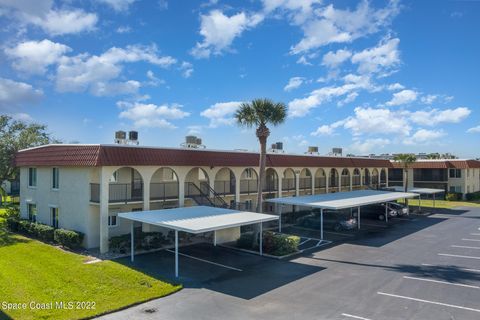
406,184
261,174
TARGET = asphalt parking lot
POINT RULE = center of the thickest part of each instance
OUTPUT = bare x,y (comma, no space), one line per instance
423,267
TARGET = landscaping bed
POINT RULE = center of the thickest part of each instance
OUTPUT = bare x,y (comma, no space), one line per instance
274,244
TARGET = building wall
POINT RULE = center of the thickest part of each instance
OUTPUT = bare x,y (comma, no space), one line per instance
71,198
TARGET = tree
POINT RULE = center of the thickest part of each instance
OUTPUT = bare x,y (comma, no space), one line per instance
406,159
435,155
258,113
16,135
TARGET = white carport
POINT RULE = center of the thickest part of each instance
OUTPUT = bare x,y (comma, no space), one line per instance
195,220
420,192
341,200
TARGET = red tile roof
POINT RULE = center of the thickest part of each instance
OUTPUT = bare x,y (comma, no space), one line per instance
114,155
441,164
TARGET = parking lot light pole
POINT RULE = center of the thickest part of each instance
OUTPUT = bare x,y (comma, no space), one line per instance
132,239
321,224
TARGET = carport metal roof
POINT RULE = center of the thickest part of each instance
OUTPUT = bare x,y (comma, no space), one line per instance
343,200
419,190
197,219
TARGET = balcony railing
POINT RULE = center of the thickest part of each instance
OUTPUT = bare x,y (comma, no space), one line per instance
224,187
345,181
320,182
118,192
164,190
288,184
356,180
305,183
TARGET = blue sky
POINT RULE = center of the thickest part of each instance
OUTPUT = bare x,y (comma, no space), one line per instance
368,76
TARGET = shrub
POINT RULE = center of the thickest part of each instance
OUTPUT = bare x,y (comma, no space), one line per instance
473,196
12,224
25,227
12,212
279,244
453,196
68,238
42,231
120,244
143,240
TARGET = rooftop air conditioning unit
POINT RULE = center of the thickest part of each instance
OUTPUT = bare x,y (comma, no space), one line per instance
192,142
277,147
312,150
121,137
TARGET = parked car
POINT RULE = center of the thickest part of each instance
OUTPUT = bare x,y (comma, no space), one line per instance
332,220
377,211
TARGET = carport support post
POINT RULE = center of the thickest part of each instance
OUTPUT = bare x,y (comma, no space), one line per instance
321,224
419,202
358,218
434,200
386,212
176,253
261,239
214,238
132,240
280,219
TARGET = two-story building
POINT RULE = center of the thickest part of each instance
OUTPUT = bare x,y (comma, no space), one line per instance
452,175
84,187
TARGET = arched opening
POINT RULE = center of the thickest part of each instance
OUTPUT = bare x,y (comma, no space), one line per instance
288,180
271,181
345,179
306,181
197,185
383,178
333,181
125,185
356,177
320,180
366,177
164,185
248,181
224,183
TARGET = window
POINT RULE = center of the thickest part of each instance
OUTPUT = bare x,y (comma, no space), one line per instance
55,178
54,217
455,173
248,173
456,189
32,212
248,204
112,220
32,177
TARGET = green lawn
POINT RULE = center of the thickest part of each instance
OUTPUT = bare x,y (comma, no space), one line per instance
443,203
33,271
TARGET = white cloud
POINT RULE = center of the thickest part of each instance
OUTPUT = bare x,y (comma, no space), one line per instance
435,116
423,136
219,31
65,22
334,59
332,25
118,5
300,107
24,117
294,83
35,56
187,69
384,56
94,73
221,113
14,94
151,115
403,97
377,121
327,130
124,29
429,99
395,86
474,129
299,10
369,144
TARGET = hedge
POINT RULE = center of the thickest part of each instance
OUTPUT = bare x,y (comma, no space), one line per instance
68,238
453,196
276,244
473,196
143,240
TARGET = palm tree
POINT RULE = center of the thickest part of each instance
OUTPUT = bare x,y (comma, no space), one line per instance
258,113
406,159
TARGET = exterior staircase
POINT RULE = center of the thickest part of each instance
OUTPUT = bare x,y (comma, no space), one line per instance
204,195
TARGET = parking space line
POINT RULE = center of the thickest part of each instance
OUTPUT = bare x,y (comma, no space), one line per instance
354,317
305,241
428,301
206,261
340,234
465,247
465,239
442,282
374,225
465,269
457,256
